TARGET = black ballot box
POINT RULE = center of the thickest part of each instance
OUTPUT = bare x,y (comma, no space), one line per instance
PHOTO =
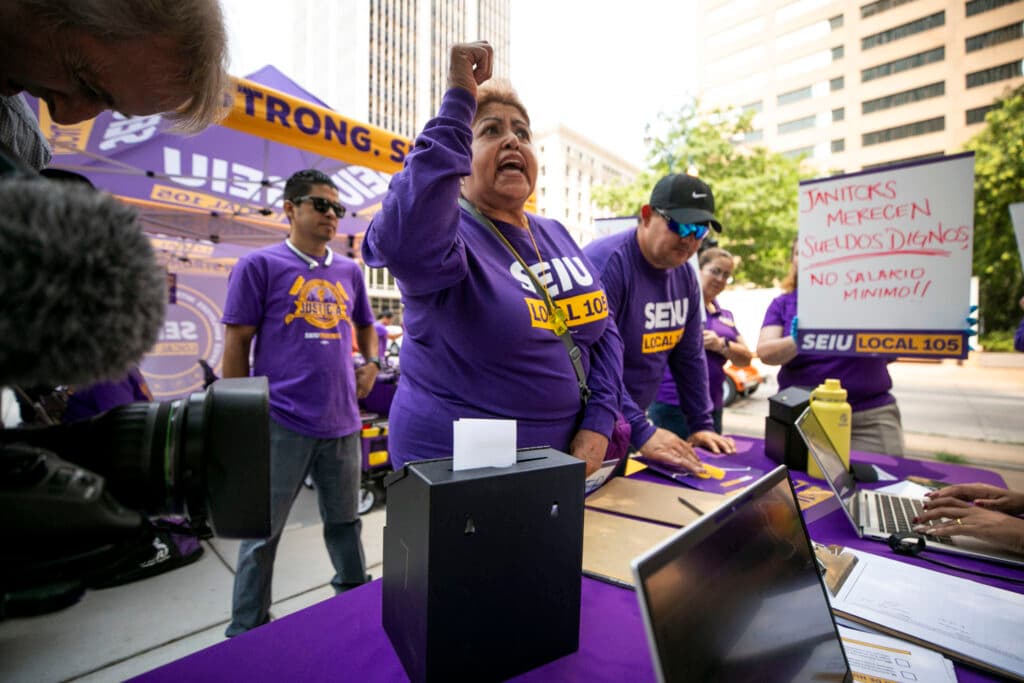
782,441
482,567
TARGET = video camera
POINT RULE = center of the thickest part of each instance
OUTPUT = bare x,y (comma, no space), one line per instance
81,297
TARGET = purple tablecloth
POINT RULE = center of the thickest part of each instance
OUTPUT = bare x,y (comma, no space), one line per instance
342,638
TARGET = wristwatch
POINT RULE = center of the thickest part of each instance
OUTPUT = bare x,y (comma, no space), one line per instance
375,360
725,345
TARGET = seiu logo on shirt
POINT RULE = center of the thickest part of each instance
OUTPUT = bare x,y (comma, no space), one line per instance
560,276
320,303
667,320
569,271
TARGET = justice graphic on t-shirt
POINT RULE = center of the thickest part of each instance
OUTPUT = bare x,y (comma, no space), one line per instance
667,320
320,303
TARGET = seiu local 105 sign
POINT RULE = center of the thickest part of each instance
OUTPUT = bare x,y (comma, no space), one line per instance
884,260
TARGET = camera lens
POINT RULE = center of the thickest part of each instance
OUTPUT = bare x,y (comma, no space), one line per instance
206,455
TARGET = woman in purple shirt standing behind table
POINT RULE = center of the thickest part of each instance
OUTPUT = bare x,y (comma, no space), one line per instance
876,423
722,343
479,341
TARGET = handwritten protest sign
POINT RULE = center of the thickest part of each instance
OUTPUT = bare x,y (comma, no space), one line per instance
884,260
1017,218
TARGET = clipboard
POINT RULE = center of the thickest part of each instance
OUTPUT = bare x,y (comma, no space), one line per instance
674,505
941,612
610,542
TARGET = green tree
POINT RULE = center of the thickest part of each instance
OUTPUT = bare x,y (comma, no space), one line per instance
756,190
998,182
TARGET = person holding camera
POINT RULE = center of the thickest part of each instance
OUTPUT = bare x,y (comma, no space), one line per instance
297,300
136,57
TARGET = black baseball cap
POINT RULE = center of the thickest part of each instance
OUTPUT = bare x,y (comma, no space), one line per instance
686,199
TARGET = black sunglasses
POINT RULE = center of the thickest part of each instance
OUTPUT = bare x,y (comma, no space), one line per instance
321,205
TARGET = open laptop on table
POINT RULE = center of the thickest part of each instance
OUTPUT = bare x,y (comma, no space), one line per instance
876,515
737,595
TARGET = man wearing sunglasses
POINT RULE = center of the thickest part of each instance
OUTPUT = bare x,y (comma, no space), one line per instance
655,300
299,301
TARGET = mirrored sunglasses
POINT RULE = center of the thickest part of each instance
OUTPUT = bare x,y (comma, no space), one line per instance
698,230
321,205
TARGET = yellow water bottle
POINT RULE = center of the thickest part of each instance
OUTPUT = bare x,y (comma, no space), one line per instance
828,401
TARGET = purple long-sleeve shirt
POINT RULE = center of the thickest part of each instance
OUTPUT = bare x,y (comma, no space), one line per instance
722,323
476,340
657,313
866,380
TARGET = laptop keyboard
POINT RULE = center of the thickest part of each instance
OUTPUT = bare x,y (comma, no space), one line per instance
896,514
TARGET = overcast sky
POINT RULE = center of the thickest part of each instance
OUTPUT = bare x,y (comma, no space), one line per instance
603,69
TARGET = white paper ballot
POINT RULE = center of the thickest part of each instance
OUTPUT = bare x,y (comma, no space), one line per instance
882,658
483,443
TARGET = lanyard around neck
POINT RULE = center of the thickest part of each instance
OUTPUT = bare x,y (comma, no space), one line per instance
555,313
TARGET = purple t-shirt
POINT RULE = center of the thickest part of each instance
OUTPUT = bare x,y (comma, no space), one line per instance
102,396
303,321
382,339
476,340
1018,339
866,380
721,323
657,314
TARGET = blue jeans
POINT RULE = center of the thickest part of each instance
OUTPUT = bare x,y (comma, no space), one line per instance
335,465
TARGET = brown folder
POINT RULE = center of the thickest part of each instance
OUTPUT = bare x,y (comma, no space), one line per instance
665,503
610,542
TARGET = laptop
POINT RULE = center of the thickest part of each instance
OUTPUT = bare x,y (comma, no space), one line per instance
876,515
737,595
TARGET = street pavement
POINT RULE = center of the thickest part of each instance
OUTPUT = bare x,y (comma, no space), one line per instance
971,410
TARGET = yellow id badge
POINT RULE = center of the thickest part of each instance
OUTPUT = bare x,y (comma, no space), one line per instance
558,323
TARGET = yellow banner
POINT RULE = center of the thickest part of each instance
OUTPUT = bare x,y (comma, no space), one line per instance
922,344
181,247
579,310
656,342
180,196
175,349
274,115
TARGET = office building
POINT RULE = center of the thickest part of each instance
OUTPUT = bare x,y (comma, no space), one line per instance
570,166
853,85
385,62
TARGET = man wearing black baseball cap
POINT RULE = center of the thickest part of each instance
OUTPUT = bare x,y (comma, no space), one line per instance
656,302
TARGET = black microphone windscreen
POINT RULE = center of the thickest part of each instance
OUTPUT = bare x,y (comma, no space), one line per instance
82,297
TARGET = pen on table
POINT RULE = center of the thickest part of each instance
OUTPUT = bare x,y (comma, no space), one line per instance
690,505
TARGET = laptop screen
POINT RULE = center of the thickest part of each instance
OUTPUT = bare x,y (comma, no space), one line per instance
829,462
737,596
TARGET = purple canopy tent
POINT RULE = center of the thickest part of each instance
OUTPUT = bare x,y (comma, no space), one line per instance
209,198
225,184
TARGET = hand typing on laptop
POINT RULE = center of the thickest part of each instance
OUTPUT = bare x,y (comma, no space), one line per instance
978,510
